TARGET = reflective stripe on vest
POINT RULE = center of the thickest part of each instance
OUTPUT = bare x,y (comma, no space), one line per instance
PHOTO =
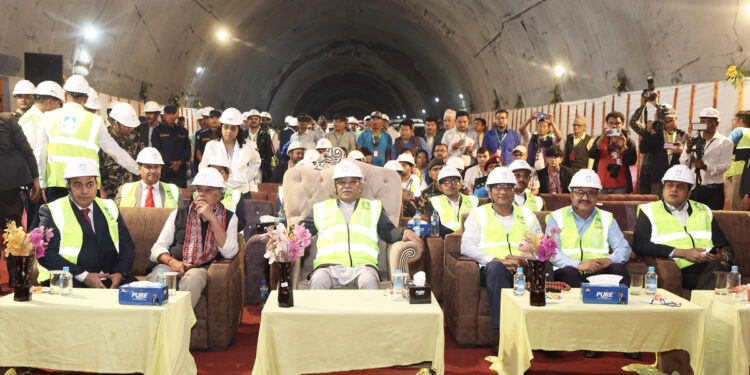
71,234
493,238
350,244
448,217
668,230
533,202
231,198
413,185
73,133
127,199
594,243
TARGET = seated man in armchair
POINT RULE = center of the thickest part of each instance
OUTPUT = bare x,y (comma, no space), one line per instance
149,191
348,230
451,205
195,233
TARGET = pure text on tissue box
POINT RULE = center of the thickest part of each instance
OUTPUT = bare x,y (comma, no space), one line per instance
604,289
143,293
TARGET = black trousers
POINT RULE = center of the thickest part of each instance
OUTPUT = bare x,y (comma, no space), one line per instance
710,195
574,278
701,275
11,208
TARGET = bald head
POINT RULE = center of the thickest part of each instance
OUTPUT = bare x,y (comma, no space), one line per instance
579,125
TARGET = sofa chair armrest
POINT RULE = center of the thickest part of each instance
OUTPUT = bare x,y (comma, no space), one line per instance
255,268
462,295
401,253
670,275
436,259
224,300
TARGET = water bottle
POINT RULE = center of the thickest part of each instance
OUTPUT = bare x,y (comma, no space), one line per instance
264,290
413,223
651,281
398,284
733,281
435,224
418,224
160,277
519,282
282,215
66,283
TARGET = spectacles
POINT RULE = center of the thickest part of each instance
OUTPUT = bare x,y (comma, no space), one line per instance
347,181
450,182
501,187
522,176
580,193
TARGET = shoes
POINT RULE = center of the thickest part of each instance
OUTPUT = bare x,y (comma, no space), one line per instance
591,354
635,355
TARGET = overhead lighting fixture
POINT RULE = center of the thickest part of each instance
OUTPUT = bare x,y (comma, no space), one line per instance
199,70
559,70
90,33
404,116
423,111
437,100
460,96
222,35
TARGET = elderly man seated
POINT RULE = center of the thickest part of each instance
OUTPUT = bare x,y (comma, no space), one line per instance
148,192
348,230
232,198
89,235
195,234
452,204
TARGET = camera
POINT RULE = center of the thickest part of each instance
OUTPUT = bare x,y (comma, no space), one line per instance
614,170
699,143
541,116
649,94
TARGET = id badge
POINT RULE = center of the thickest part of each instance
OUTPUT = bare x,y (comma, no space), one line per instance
69,125
375,153
669,146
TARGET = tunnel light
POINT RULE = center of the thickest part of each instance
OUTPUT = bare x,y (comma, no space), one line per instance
404,116
460,96
199,70
559,70
423,111
90,33
437,100
222,35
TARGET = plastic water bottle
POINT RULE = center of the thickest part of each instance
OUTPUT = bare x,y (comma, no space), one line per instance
160,277
66,282
282,215
651,281
413,223
398,285
519,282
264,290
435,224
733,281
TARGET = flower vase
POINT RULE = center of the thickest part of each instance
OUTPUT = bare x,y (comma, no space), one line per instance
286,297
24,266
537,284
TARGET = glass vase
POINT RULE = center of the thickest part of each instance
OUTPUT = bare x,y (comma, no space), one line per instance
286,296
24,266
537,283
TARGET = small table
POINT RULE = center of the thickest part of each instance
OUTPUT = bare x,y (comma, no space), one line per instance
573,325
341,330
727,339
90,331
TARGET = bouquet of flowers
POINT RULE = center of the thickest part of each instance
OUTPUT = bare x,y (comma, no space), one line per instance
540,247
19,243
286,244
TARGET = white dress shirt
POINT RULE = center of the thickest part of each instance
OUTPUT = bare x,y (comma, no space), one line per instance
31,124
681,215
82,276
472,236
155,193
166,237
452,137
244,163
717,156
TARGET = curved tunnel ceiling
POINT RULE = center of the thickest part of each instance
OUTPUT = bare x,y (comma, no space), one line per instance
355,56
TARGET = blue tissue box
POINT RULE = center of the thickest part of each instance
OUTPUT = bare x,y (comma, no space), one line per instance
135,295
612,295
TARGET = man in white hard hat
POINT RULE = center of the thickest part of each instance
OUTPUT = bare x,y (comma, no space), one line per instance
195,234
89,234
232,198
323,146
296,152
522,170
710,157
290,126
451,205
353,125
492,233
92,103
149,191
145,129
409,181
357,155
23,92
48,96
123,120
684,230
348,233
262,140
265,123
408,203
71,132
340,136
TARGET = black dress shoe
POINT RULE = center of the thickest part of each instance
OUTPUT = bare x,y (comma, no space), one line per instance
635,355
591,354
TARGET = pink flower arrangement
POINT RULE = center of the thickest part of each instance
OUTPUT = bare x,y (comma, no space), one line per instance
539,247
286,245
18,242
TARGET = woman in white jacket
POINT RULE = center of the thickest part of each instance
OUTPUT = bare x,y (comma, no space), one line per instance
233,147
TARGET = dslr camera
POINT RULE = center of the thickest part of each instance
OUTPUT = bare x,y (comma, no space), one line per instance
614,162
699,143
649,94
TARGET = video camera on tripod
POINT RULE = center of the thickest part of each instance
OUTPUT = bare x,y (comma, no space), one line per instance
699,146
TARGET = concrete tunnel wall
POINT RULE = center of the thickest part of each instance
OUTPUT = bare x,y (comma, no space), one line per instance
394,55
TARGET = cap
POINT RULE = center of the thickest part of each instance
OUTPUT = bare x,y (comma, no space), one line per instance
448,172
521,148
520,164
50,88
170,109
710,112
394,165
406,158
356,155
494,159
376,114
93,100
449,113
208,177
669,111
347,168
24,87
81,167
294,145
124,114
585,178
149,155
352,120
323,143
455,162
231,116
434,162
76,83
681,173
501,175
151,106
265,115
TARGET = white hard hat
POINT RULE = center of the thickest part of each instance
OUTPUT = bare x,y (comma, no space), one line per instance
447,171
207,111
245,115
356,155
520,164
231,116
253,112
352,120
680,173
208,177
125,114
151,106
149,155
311,156
500,175
347,168
199,113
386,117
323,143
406,158
394,165
585,178
93,100
50,88
294,145
81,167
266,115
24,87
288,119
455,162
113,103
710,112
76,83
218,161
449,113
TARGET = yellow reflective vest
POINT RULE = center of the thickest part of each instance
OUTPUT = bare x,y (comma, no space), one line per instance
73,132
493,238
593,245
448,217
231,199
352,244
170,200
533,202
738,165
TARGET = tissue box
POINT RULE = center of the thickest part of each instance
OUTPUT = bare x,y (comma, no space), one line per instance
420,294
143,295
612,295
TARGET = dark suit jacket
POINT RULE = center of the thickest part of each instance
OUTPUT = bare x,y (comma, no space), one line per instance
19,163
660,162
565,175
98,252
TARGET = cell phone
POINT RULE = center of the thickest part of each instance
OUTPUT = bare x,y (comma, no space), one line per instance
541,116
613,132
670,145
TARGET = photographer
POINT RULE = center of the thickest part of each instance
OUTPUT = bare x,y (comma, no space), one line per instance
663,143
613,154
642,129
547,135
709,153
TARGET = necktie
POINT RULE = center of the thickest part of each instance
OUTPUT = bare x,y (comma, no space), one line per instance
150,197
85,212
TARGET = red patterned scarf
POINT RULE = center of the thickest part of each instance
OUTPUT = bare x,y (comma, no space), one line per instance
193,251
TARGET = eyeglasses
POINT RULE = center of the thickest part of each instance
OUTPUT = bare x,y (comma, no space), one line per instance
580,193
450,182
522,176
501,187
347,181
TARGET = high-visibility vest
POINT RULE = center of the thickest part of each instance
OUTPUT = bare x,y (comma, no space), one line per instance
350,244
231,199
31,124
73,133
412,185
593,245
533,202
668,230
493,238
71,234
448,217
171,192
738,165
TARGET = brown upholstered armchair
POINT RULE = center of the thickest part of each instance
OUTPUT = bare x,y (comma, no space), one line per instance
219,310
